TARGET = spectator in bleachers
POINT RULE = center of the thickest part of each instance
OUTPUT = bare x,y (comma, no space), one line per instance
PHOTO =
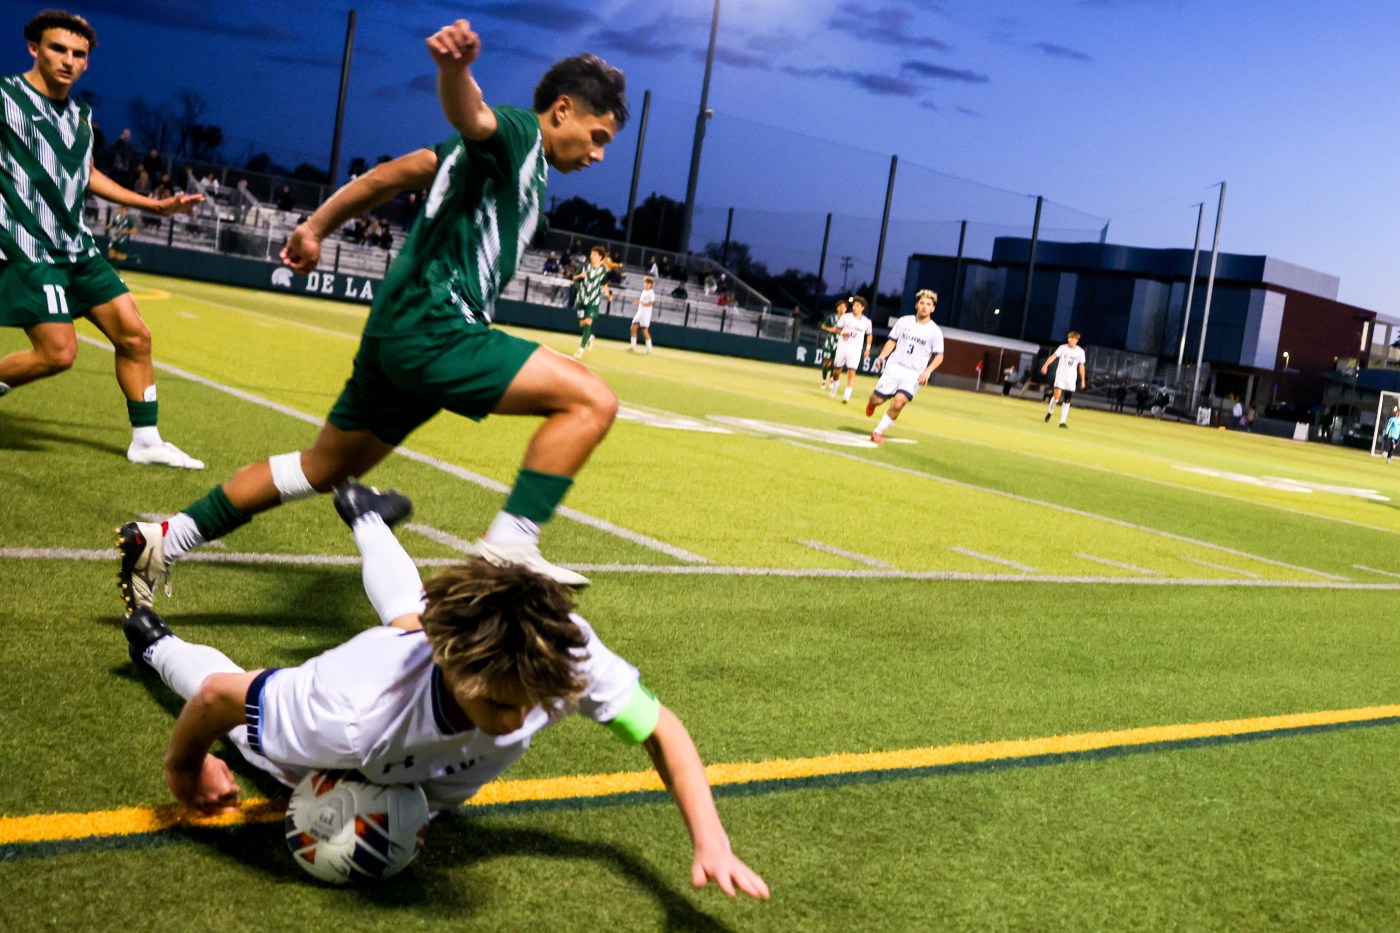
284,199
153,164
711,286
654,270
123,156
680,292
551,263
211,184
164,189
385,239
666,267
142,185
243,201
99,146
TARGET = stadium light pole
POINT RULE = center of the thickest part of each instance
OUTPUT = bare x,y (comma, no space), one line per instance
688,215
1210,288
340,102
1190,289
637,169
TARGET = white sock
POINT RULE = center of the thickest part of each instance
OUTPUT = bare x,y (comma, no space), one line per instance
181,536
1051,408
391,579
847,395
146,437
648,343
512,529
1064,412
184,666
885,422
634,343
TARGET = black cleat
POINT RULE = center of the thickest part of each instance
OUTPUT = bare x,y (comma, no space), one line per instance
353,500
1063,425
1047,417
143,628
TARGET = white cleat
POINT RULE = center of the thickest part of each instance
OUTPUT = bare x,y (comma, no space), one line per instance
163,454
141,546
529,557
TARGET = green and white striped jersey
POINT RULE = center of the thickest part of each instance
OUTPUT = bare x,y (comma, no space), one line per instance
480,215
45,157
590,288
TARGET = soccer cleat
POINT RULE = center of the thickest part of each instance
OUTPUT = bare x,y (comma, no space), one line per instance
877,437
142,629
591,338
845,401
529,557
163,454
578,354
353,500
869,409
1047,417
144,567
1063,425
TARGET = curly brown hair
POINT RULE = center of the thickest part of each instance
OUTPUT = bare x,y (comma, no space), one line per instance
490,624
59,19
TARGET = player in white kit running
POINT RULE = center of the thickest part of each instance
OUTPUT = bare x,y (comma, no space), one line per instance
855,333
1069,375
446,694
910,356
646,301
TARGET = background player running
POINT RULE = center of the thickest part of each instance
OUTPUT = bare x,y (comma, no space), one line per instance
1068,375
592,289
856,333
446,694
51,270
908,360
428,344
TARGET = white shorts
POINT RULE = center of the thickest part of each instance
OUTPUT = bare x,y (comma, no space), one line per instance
1067,383
897,379
642,318
847,356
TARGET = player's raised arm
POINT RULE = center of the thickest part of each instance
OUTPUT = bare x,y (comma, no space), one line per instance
381,184
678,762
108,190
453,49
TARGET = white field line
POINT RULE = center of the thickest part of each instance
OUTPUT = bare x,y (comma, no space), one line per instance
1016,497
710,570
1384,573
449,468
1113,563
1224,567
849,555
442,537
995,560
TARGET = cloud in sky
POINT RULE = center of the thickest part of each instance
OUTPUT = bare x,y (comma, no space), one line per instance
643,41
886,25
1062,51
941,73
423,84
177,14
544,14
736,58
884,85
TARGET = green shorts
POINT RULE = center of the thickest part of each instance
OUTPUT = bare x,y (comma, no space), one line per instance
43,293
400,382
586,311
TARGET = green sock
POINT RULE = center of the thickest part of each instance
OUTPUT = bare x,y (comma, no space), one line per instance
214,515
587,332
142,414
536,495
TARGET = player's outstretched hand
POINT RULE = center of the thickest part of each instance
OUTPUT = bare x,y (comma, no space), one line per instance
209,792
303,250
454,45
729,872
177,204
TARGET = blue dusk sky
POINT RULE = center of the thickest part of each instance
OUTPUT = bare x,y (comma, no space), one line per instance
1118,112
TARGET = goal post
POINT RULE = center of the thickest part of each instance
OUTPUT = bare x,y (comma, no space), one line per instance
1387,407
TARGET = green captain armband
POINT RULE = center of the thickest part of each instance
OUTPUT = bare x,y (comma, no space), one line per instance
637,721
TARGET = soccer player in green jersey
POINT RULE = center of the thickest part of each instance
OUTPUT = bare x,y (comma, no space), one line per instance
828,344
51,270
428,344
120,228
592,289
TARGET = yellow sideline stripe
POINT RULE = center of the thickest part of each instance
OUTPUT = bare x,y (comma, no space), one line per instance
133,820
150,294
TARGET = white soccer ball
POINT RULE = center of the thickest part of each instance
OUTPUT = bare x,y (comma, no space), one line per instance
342,828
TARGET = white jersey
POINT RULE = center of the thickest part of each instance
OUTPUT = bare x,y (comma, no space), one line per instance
645,302
378,704
1067,366
853,331
915,343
